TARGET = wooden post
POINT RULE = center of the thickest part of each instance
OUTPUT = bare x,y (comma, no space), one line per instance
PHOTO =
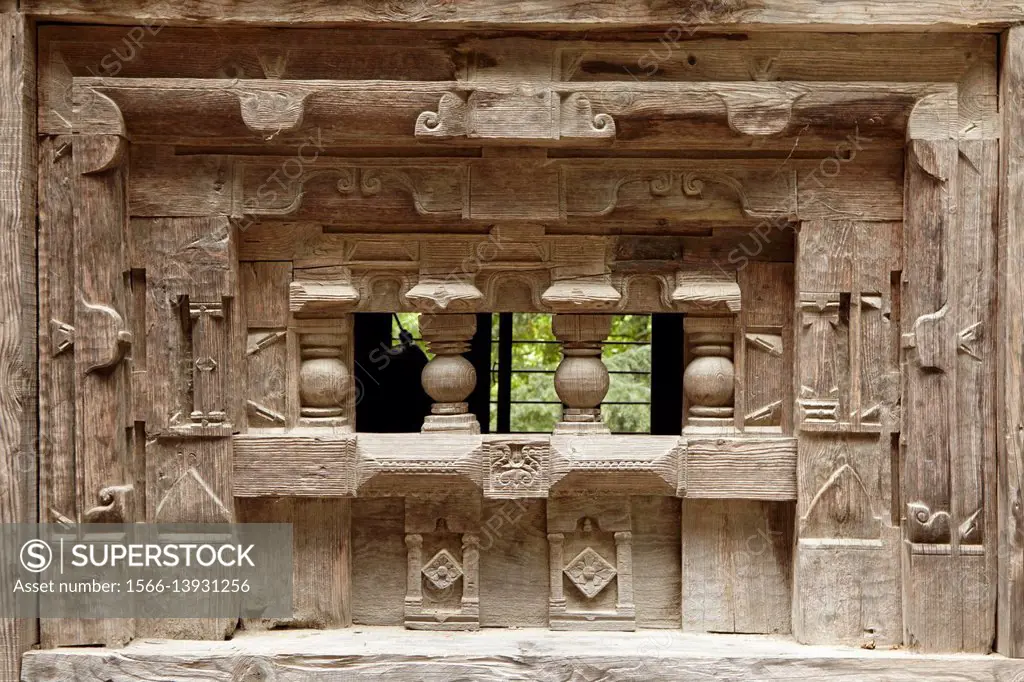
846,568
947,307
1010,638
17,305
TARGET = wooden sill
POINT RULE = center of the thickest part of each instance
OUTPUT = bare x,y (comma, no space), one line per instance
756,466
391,653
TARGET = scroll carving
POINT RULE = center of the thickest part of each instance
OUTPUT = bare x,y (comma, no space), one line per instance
697,188
925,526
448,121
114,505
579,119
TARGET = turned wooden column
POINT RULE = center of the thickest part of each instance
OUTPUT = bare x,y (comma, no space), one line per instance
709,381
449,378
581,380
324,379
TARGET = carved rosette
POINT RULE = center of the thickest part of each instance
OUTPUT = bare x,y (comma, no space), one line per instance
589,572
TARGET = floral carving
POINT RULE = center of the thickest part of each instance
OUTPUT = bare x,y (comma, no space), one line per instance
443,570
590,572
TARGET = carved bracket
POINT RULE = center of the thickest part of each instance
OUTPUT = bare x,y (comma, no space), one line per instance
109,340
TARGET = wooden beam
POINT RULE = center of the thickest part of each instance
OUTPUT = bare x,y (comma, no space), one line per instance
756,466
157,50
366,654
18,462
846,15
641,114
1010,394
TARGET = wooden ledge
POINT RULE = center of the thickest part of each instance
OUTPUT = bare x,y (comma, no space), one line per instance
754,466
376,653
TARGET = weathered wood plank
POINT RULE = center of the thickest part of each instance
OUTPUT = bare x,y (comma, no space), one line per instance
643,114
754,469
592,14
846,566
737,573
1010,393
321,558
370,654
18,461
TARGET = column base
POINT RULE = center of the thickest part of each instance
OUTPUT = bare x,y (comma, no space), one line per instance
581,421
453,423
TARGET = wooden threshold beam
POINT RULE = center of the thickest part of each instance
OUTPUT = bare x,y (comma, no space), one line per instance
822,15
373,653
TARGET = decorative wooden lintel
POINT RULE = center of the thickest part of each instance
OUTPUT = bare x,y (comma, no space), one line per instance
505,466
545,113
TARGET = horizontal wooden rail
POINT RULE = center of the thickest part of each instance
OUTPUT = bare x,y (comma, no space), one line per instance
506,466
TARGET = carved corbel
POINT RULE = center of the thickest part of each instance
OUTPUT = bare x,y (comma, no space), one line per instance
707,289
109,340
580,277
934,117
269,112
308,297
95,113
759,110
450,119
579,120
444,294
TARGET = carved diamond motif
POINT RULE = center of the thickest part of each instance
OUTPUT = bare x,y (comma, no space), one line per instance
590,572
443,570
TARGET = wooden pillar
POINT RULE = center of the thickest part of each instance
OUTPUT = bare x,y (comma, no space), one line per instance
1010,395
581,380
948,444
17,306
449,378
555,564
846,587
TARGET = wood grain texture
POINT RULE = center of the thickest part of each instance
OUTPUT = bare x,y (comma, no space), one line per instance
846,573
646,114
322,558
761,469
18,460
846,15
737,575
369,654
1010,394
